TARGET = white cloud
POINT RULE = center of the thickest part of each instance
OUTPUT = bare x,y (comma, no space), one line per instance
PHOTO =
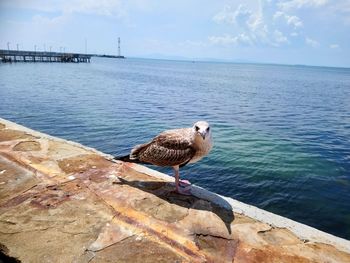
256,22
279,37
253,27
244,17
222,40
296,4
225,16
334,46
311,42
278,14
294,21
229,40
244,39
239,16
290,20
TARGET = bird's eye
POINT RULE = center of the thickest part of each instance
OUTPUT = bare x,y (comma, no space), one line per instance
197,128
208,129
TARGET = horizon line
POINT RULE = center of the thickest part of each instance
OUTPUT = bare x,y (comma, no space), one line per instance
232,61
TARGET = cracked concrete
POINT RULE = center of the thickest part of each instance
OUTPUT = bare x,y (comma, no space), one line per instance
63,202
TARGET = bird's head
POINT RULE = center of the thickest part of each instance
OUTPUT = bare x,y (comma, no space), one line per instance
202,129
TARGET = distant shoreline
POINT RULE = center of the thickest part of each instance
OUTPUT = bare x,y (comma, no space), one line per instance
197,60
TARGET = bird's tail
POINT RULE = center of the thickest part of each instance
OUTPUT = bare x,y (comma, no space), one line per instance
133,157
126,158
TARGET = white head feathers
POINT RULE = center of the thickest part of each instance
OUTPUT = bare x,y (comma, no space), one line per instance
202,128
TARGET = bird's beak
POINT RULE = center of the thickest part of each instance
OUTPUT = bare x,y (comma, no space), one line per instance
203,134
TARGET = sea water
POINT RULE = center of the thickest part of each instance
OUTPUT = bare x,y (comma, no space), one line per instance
281,133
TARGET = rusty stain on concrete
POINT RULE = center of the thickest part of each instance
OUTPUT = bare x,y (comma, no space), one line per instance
60,196
14,180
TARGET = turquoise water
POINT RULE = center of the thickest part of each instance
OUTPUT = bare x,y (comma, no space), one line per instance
282,133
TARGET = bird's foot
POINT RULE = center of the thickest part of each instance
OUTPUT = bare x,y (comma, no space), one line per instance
184,183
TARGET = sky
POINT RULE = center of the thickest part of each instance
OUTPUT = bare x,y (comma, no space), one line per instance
308,32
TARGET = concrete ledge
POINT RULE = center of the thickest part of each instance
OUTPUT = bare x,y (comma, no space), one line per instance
63,202
302,231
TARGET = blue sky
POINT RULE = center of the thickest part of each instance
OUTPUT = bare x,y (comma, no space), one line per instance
311,32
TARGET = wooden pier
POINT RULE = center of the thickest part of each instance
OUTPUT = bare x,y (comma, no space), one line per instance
42,56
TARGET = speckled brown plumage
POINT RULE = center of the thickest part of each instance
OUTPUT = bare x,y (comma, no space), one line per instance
170,148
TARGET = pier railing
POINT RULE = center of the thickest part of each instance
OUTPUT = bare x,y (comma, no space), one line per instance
42,56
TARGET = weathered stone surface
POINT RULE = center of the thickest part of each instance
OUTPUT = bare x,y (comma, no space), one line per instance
27,146
111,233
138,250
269,255
82,163
9,135
60,202
14,180
57,150
219,248
161,209
279,237
43,234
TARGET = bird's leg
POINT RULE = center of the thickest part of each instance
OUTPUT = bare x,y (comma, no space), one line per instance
177,177
184,188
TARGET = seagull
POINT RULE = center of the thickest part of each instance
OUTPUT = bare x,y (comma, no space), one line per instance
174,148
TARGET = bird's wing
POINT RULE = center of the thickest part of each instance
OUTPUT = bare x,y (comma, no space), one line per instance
169,148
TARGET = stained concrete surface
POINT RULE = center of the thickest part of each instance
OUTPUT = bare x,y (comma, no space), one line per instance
63,202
